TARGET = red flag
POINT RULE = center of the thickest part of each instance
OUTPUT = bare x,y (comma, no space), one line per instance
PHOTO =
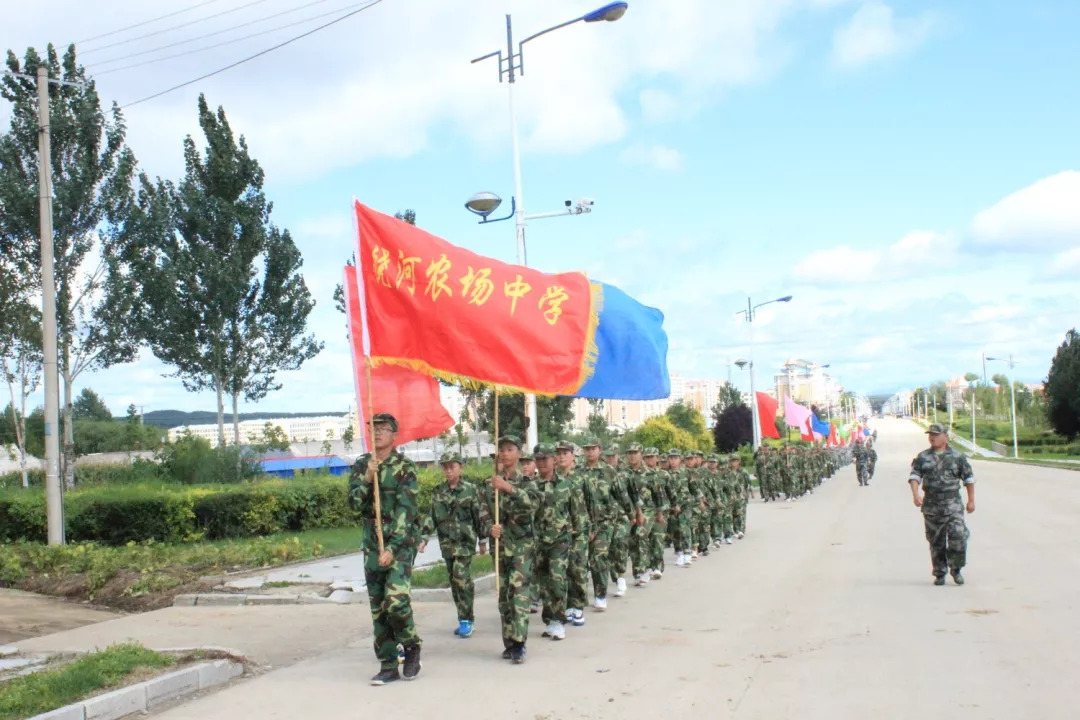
766,410
832,434
457,315
411,397
806,430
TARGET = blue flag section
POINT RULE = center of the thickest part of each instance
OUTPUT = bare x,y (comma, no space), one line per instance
820,426
632,350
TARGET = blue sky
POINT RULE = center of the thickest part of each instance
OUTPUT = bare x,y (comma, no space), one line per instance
908,171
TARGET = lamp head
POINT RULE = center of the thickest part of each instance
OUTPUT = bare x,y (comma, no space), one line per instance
742,363
786,298
609,13
483,203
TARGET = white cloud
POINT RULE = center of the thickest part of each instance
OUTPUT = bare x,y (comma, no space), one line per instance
841,263
1066,265
658,105
874,32
850,266
658,157
1042,216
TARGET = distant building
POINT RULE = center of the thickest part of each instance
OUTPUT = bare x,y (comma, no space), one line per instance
297,430
807,383
626,415
291,466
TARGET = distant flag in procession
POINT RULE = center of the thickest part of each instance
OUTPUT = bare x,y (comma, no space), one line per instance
411,397
451,313
767,408
797,416
821,428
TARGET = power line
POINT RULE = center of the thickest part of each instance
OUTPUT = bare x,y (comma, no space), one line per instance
229,42
291,40
216,32
147,22
174,27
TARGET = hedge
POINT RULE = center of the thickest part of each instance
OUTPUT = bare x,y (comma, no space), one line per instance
177,513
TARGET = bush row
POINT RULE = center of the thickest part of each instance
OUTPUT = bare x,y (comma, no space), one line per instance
120,514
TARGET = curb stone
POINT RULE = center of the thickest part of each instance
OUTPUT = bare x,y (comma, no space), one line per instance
150,694
485,583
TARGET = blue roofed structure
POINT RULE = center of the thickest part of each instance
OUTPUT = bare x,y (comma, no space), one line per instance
292,466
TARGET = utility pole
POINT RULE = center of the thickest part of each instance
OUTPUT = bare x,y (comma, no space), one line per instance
54,493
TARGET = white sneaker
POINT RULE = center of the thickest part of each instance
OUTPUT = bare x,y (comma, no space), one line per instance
643,579
693,555
620,587
680,560
718,542
656,574
600,604
576,617
741,535
728,540
556,630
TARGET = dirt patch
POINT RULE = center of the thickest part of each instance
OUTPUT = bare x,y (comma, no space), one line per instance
981,612
26,615
117,592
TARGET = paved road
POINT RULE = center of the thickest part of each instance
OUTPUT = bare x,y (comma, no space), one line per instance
826,610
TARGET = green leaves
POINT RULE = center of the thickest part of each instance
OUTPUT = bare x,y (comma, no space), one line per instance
1063,387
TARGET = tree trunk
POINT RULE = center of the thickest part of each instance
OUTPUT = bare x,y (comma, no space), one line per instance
18,416
69,429
476,429
220,411
236,418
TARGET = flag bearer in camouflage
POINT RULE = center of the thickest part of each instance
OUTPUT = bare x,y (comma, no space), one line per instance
681,510
518,500
555,521
599,478
627,509
461,519
388,574
658,483
577,568
742,496
936,477
633,479
860,462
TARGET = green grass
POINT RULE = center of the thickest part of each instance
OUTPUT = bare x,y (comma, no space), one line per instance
48,690
332,541
437,577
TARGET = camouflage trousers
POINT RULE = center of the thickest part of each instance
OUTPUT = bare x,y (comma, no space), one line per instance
948,535
459,568
598,560
549,577
389,595
738,515
721,522
657,535
515,577
619,552
577,572
640,549
703,529
679,526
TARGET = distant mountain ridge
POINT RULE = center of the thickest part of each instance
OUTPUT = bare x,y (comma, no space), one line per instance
175,418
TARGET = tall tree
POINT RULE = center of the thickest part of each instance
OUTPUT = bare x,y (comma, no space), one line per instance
90,406
92,171
733,429
554,413
1063,387
692,422
223,300
20,366
729,395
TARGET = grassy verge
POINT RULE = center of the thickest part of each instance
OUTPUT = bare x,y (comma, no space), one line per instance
437,577
1029,461
47,690
147,576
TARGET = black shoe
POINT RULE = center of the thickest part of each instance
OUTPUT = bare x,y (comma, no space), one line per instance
508,646
411,668
939,579
956,577
517,653
386,676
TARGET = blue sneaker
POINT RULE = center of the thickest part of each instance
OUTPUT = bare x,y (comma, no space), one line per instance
464,629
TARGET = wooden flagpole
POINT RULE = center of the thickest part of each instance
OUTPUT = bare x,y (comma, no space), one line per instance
496,491
375,455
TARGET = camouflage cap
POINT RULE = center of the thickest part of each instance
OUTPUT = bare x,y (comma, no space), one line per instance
649,451
698,453
564,445
385,419
634,447
511,439
712,457
936,429
450,457
611,450
734,457
544,449
527,457
674,452
589,441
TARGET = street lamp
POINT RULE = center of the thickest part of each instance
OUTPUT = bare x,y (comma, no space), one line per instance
512,65
749,313
1012,394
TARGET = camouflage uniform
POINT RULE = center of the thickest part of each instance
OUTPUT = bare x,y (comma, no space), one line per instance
626,509
727,492
388,588
741,494
637,488
555,520
680,527
517,547
860,463
871,460
941,475
598,480
460,519
577,567
658,483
